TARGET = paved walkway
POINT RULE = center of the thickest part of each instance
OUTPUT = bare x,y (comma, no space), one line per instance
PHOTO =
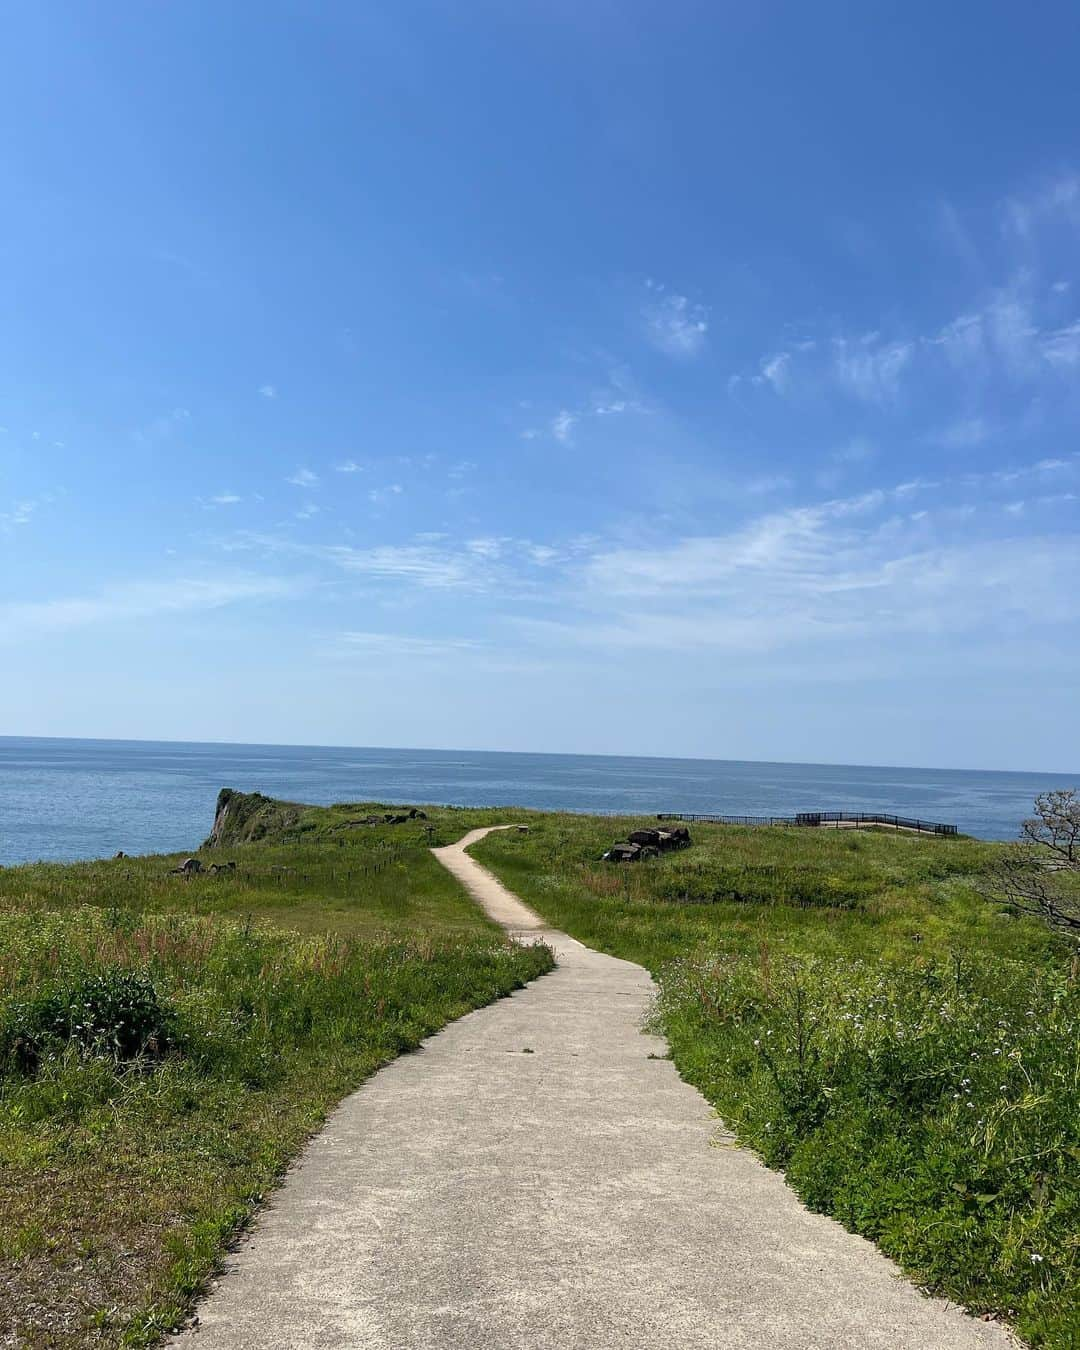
536,1178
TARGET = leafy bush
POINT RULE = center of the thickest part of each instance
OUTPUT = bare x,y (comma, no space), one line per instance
115,1013
934,1107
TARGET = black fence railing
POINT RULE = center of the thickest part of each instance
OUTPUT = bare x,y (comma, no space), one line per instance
819,818
873,818
727,820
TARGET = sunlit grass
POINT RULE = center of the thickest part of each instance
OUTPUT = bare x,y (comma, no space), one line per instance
908,1051
167,1043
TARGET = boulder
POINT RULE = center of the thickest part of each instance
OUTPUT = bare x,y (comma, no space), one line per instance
623,852
678,836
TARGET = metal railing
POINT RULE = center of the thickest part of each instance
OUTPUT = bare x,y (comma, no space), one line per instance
727,820
819,818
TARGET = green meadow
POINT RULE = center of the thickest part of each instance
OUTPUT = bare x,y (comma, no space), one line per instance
906,1049
864,1018
168,1043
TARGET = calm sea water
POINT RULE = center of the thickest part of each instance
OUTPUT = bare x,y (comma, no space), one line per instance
67,799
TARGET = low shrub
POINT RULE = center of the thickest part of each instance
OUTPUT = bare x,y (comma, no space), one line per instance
114,1013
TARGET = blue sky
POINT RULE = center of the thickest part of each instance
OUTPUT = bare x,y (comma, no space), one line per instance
690,379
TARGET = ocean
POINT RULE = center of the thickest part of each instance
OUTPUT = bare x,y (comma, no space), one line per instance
71,799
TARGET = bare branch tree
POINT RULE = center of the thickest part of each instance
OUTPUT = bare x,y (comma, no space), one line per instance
1041,876
1056,825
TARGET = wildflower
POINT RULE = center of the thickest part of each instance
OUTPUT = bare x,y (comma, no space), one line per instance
1036,1257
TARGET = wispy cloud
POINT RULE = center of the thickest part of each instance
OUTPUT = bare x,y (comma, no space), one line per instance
268,390
1008,337
21,513
431,560
303,478
1057,199
429,565
409,646
225,499
840,572
562,425
439,569
775,371
138,600
674,323
1001,337
486,547
870,369
1062,348
865,367
380,495
349,466
616,398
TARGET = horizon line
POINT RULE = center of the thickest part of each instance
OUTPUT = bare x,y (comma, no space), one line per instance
546,754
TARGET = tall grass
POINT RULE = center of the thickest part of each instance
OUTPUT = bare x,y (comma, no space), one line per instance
930,1106
157,1071
862,1017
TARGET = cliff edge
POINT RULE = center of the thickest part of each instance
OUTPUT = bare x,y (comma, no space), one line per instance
247,817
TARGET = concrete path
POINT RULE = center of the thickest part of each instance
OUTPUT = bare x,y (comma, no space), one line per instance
535,1177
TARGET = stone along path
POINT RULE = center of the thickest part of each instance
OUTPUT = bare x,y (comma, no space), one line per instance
536,1177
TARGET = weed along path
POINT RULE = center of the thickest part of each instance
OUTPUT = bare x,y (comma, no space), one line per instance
538,1176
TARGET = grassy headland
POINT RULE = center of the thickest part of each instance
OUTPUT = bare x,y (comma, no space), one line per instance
168,1042
908,1052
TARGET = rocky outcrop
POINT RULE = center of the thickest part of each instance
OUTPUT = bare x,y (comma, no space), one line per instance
648,844
245,817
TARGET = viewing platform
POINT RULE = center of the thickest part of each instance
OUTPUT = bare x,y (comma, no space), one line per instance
840,820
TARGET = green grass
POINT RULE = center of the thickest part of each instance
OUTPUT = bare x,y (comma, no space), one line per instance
168,1043
906,1051
324,878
